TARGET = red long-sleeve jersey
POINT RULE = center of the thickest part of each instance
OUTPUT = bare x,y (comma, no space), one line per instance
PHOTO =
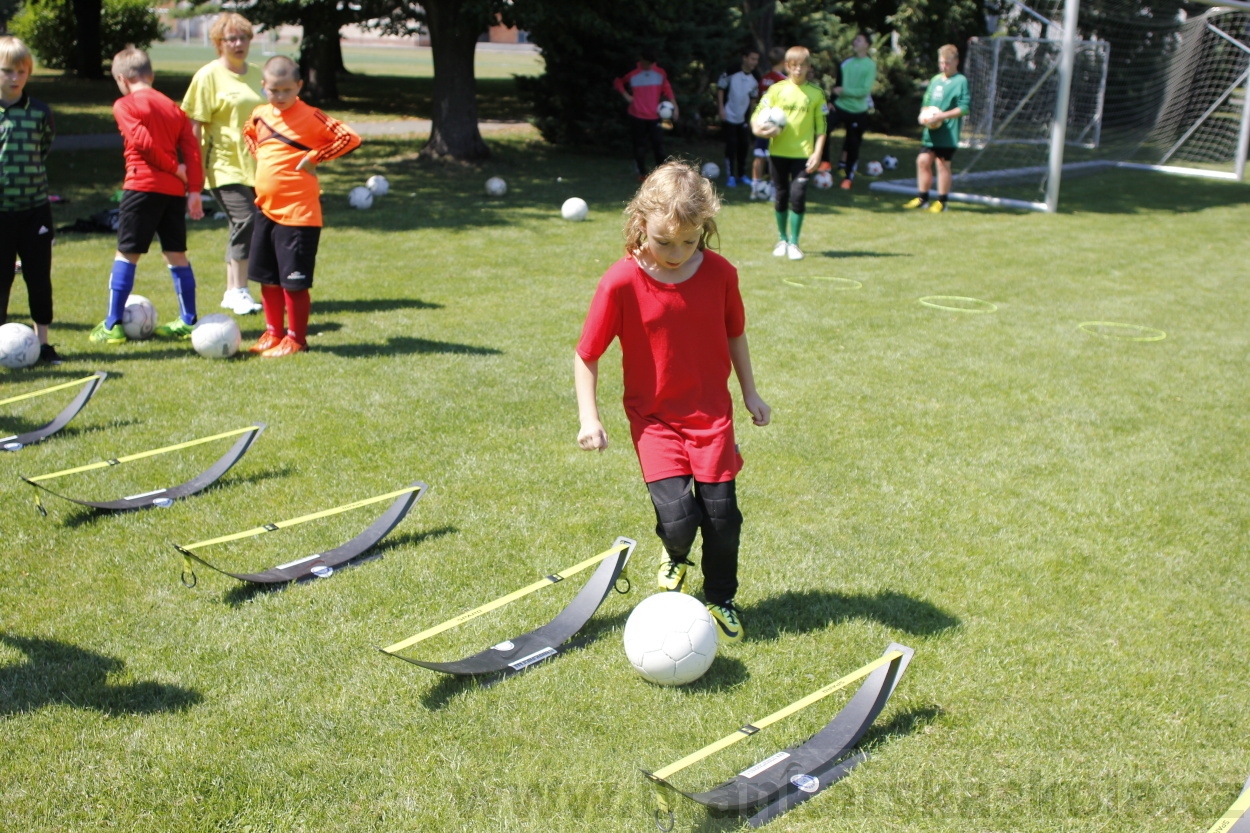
157,132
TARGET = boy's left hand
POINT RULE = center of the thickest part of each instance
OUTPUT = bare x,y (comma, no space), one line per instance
195,205
758,408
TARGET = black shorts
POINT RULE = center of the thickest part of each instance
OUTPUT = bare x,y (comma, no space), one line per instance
143,214
841,118
283,256
946,154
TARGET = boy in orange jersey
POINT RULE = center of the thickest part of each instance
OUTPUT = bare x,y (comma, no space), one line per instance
288,138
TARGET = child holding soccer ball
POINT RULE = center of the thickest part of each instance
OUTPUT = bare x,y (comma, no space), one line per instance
945,104
289,139
675,306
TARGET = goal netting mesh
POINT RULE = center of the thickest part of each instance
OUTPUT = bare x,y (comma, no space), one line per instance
1152,85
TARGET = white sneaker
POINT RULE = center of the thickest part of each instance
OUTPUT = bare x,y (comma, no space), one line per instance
229,300
244,305
793,252
780,249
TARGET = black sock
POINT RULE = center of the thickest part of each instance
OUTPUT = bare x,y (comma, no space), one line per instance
924,195
943,197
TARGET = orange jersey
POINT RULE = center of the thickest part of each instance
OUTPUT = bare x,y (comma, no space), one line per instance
279,140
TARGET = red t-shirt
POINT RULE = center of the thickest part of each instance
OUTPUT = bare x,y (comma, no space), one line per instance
675,353
769,79
156,131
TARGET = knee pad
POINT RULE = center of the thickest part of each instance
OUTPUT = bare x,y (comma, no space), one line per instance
677,523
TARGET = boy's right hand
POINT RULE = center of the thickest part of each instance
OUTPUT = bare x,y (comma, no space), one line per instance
181,173
592,436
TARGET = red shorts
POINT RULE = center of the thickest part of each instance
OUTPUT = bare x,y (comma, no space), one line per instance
710,455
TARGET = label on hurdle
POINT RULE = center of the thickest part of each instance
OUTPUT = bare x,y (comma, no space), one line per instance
791,776
520,652
167,495
1236,819
318,565
19,441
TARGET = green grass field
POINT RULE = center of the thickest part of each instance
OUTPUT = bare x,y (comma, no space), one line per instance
1055,520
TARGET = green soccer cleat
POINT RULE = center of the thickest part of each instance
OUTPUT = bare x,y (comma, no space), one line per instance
728,622
174,329
672,574
915,202
107,335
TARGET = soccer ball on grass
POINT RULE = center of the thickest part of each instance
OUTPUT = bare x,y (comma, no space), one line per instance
378,185
360,197
138,318
670,639
711,170
890,163
496,187
575,209
823,180
18,346
216,336
875,169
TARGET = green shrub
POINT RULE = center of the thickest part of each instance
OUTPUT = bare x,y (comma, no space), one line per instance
47,27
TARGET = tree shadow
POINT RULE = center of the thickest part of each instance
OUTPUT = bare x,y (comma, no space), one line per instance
60,673
243,593
130,355
404,345
374,305
811,610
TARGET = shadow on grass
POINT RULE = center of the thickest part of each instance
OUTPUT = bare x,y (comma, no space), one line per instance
801,612
374,305
241,594
403,345
840,255
125,355
57,673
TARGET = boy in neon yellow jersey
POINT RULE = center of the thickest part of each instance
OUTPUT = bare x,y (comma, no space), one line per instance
794,150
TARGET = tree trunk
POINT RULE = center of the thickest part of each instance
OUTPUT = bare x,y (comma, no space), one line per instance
759,17
453,40
320,53
87,15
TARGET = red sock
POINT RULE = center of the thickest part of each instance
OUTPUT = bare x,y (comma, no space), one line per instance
298,304
271,300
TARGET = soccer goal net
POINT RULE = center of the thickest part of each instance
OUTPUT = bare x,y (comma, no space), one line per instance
1148,86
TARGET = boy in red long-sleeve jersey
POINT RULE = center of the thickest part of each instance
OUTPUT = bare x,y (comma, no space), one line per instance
158,192
288,138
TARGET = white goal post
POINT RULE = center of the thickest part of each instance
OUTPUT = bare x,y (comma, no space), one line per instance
1063,89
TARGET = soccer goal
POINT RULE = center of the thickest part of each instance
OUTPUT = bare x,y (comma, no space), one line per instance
1076,87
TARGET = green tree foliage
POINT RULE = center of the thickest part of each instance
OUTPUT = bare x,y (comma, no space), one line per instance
50,28
588,43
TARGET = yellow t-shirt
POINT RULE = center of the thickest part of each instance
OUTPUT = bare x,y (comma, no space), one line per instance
224,101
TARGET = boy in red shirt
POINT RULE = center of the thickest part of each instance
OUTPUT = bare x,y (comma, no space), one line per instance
675,306
288,138
644,87
158,192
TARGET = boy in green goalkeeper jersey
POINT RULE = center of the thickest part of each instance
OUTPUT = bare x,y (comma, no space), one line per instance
794,150
850,105
947,94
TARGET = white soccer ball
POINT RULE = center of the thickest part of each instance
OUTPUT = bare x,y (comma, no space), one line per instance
774,116
711,170
875,169
18,346
670,639
929,117
575,209
666,110
378,185
496,187
138,318
216,336
360,197
890,163
823,180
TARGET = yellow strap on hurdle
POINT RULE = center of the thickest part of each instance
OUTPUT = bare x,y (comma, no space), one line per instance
130,457
797,705
503,600
273,527
1230,817
42,391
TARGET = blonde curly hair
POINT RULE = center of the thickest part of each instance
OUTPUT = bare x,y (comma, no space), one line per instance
677,194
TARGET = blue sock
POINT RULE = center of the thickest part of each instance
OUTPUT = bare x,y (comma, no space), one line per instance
184,288
121,282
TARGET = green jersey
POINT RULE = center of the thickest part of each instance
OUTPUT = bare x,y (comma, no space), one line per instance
805,110
946,94
858,76
223,101
25,140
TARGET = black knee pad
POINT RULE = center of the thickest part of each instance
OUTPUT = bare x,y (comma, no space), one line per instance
677,522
